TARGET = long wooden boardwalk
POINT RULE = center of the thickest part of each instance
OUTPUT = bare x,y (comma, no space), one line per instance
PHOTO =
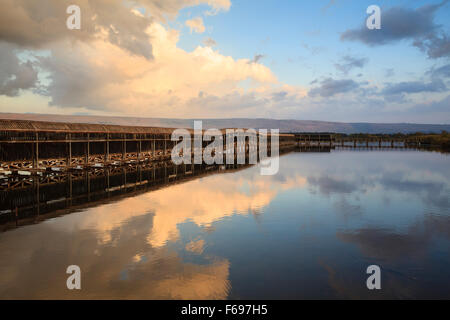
33,146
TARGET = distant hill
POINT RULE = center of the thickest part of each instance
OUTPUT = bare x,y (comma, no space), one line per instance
283,125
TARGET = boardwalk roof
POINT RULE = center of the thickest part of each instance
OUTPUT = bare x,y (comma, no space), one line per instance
43,126
46,126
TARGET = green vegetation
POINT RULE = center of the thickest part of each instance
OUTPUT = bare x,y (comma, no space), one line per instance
442,140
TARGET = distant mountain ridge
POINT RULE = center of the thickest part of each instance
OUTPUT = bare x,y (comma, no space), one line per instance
283,125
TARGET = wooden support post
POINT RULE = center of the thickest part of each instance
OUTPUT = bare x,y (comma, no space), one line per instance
124,146
153,148
139,150
69,151
107,149
86,154
165,147
192,153
36,155
154,171
33,154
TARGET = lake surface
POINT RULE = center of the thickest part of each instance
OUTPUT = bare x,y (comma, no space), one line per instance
310,231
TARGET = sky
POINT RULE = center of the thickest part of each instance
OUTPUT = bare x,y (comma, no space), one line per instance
288,59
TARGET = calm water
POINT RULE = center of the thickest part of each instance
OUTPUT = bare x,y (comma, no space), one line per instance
308,232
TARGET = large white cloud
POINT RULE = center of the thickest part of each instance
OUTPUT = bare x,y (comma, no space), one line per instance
101,75
36,23
125,59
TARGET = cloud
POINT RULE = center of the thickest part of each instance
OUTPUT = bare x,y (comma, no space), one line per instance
256,58
441,106
314,50
32,24
399,23
330,87
385,244
328,185
216,6
443,71
329,5
390,245
14,74
414,87
195,246
126,60
123,60
348,63
280,95
266,101
436,46
209,42
171,79
115,269
196,25
389,72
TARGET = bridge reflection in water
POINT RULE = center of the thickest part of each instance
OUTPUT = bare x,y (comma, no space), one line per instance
29,199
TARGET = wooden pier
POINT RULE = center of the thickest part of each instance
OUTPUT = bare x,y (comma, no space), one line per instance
314,139
338,141
33,147
29,147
